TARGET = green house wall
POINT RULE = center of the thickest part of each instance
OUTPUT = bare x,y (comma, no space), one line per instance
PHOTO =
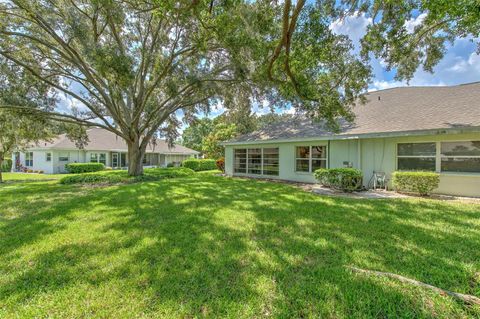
367,154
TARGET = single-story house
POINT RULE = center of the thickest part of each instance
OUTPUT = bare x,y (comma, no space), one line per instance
407,128
103,147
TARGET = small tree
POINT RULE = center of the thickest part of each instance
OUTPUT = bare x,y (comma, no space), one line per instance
211,146
20,130
194,134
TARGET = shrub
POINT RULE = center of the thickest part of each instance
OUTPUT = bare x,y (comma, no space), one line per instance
200,164
6,165
171,164
345,179
207,165
192,163
153,174
422,183
78,168
221,164
94,178
121,176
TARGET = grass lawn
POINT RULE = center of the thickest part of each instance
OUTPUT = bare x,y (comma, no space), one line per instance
208,246
10,177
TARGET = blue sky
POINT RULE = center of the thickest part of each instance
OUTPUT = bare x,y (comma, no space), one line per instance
460,64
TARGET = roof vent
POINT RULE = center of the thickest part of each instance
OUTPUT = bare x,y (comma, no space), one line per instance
379,97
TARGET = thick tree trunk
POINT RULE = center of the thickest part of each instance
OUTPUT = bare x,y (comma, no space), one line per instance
135,158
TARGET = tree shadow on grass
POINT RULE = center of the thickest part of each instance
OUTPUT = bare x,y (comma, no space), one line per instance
218,247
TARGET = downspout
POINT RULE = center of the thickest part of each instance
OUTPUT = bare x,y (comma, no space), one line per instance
359,154
328,154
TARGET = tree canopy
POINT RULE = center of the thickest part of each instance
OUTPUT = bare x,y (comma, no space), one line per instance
206,134
132,66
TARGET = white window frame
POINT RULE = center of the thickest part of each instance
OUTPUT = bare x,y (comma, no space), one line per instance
29,159
440,157
97,157
262,161
63,160
310,158
418,156
48,156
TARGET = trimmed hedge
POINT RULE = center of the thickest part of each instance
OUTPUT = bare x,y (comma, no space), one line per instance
6,165
200,164
93,178
345,179
422,183
115,177
79,168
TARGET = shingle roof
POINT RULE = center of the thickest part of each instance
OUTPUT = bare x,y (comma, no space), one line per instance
396,110
103,140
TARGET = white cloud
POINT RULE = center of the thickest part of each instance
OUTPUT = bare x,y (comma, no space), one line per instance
355,26
411,24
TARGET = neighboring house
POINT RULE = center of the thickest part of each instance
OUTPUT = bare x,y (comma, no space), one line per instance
409,128
103,147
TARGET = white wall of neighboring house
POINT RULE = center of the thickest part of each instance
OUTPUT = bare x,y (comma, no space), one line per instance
40,162
57,163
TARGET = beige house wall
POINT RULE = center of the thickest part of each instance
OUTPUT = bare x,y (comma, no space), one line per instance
371,154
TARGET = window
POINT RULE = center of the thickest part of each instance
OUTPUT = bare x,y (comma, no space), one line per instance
48,157
29,159
310,158
98,158
240,161
254,161
93,158
63,157
270,161
416,156
258,161
102,158
460,157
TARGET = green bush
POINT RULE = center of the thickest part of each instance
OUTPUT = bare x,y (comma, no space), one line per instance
192,163
199,165
153,174
78,168
345,179
6,165
93,178
121,176
422,183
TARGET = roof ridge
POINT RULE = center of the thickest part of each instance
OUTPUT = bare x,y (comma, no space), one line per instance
424,86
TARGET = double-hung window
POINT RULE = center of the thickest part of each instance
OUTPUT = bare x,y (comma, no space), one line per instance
310,158
256,161
460,157
93,158
29,159
98,158
416,156
48,157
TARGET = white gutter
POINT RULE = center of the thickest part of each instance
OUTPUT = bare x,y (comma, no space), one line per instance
359,136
